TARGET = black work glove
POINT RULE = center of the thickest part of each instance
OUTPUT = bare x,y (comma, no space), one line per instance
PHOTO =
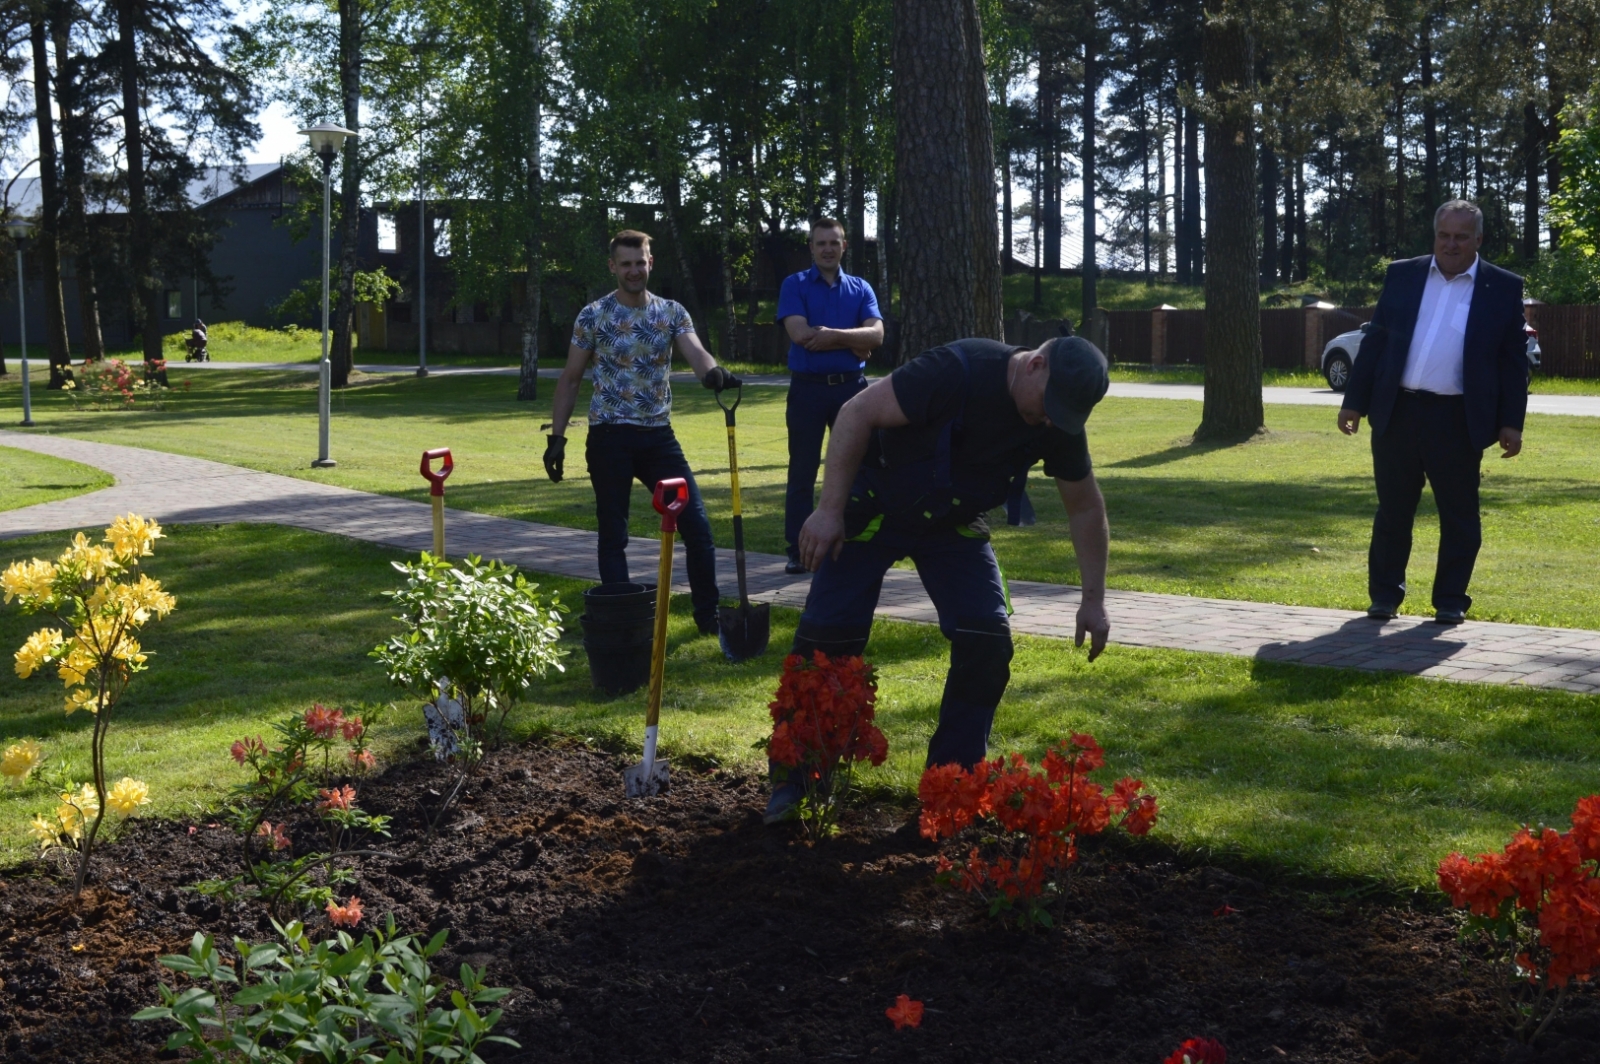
717,379
555,453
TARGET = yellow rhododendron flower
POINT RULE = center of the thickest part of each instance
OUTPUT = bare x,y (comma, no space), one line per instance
46,833
75,667
28,580
128,650
37,651
127,796
20,759
82,698
146,595
131,537
77,809
94,560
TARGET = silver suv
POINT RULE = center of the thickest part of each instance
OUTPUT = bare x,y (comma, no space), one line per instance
1340,354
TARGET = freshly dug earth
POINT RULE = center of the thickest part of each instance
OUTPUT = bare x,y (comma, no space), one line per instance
680,929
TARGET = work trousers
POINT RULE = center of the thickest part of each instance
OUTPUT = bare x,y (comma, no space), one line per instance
1426,439
964,581
617,456
812,407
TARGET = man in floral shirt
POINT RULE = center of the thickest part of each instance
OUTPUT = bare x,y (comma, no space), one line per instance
628,335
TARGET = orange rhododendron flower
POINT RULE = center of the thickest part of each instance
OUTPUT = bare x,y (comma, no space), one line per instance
323,721
336,798
904,1012
347,915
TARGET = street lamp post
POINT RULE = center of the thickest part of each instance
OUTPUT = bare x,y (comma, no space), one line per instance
20,231
326,140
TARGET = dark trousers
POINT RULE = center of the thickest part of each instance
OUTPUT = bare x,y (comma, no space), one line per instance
810,412
617,456
964,581
1426,439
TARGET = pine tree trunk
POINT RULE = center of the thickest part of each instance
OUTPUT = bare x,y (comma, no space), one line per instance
1232,317
47,241
146,301
74,141
1552,164
988,297
725,185
1401,200
1161,193
1286,251
1302,268
1180,205
341,353
1193,250
1430,118
1050,154
1532,138
533,213
672,205
933,179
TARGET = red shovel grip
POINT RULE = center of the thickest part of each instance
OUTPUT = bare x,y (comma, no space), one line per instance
678,489
437,479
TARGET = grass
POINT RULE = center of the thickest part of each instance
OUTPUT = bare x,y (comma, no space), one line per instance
1283,518
1142,373
1305,771
27,479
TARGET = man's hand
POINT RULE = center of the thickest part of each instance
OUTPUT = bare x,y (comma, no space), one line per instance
1510,442
821,339
822,536
555,453
717,379
1092,620
1349,421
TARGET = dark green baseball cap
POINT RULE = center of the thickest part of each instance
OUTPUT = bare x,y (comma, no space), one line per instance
1078,380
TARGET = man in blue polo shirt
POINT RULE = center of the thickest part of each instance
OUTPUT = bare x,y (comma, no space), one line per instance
833,323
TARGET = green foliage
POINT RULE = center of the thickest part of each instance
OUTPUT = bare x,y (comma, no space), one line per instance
341,1001
303,304
482,628
1567,274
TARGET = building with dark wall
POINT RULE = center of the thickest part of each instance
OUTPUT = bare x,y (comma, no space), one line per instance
255,262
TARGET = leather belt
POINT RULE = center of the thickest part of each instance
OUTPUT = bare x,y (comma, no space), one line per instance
1423,394
828,378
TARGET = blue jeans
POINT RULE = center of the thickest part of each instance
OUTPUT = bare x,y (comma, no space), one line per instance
963,579
619,454
810,412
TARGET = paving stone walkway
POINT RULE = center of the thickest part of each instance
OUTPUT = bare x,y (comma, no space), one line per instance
180,490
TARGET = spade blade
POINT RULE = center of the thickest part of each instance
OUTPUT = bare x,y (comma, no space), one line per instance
744,630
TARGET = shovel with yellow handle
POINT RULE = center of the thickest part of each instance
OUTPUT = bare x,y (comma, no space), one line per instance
649,776
436,490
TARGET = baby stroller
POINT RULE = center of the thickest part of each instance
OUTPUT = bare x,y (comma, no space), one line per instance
195,345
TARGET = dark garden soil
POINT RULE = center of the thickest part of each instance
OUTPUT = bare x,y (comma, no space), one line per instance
680,929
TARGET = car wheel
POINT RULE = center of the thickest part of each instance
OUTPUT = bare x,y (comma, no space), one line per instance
1337,370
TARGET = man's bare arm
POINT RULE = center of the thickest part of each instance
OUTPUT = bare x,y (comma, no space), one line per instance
867,335
1091,541
798,328
876,407
567,389
695,353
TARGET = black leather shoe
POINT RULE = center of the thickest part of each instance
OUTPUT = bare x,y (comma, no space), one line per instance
794,568
1449,616
1382,613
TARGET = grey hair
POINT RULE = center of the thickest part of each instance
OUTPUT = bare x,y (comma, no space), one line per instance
1459,206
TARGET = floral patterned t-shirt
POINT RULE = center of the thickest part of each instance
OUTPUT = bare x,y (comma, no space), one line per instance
632,355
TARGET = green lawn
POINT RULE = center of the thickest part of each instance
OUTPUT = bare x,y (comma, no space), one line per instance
1284,518
27,478
1298,770
1135,372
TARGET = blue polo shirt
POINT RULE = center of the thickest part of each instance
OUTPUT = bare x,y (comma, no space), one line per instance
846,305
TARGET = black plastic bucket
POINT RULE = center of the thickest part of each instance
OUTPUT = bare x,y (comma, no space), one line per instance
618,626
617,602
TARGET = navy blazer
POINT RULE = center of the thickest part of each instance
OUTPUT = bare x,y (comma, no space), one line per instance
1494,369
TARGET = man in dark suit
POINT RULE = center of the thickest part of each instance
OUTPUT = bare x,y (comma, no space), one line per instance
1442,374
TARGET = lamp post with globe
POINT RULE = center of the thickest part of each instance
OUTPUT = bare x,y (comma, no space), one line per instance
19,231
326,141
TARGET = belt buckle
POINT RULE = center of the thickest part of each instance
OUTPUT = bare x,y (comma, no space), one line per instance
836,378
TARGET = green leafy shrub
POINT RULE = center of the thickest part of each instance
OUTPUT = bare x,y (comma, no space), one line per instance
373,1001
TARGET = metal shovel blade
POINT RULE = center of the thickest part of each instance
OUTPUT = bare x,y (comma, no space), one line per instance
646,781
744,630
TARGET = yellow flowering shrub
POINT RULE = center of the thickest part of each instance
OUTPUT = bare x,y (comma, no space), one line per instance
20,759
96,592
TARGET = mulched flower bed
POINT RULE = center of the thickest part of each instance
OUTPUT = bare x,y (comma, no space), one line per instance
680,929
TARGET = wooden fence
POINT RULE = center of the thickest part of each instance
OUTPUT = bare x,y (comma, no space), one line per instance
1569,336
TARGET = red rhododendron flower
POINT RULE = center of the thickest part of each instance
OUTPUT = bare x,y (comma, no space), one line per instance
352,728
322,721
1586,828
1043,811
336,798
1199,1051
363,759
822,724
904,1012
276,835
347,915
242,749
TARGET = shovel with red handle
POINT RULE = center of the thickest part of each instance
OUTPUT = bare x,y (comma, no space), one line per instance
649,776
436,490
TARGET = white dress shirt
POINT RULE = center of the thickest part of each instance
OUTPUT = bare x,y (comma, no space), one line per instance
1433,364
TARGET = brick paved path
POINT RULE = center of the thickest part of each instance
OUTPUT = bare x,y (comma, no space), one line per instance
179,490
